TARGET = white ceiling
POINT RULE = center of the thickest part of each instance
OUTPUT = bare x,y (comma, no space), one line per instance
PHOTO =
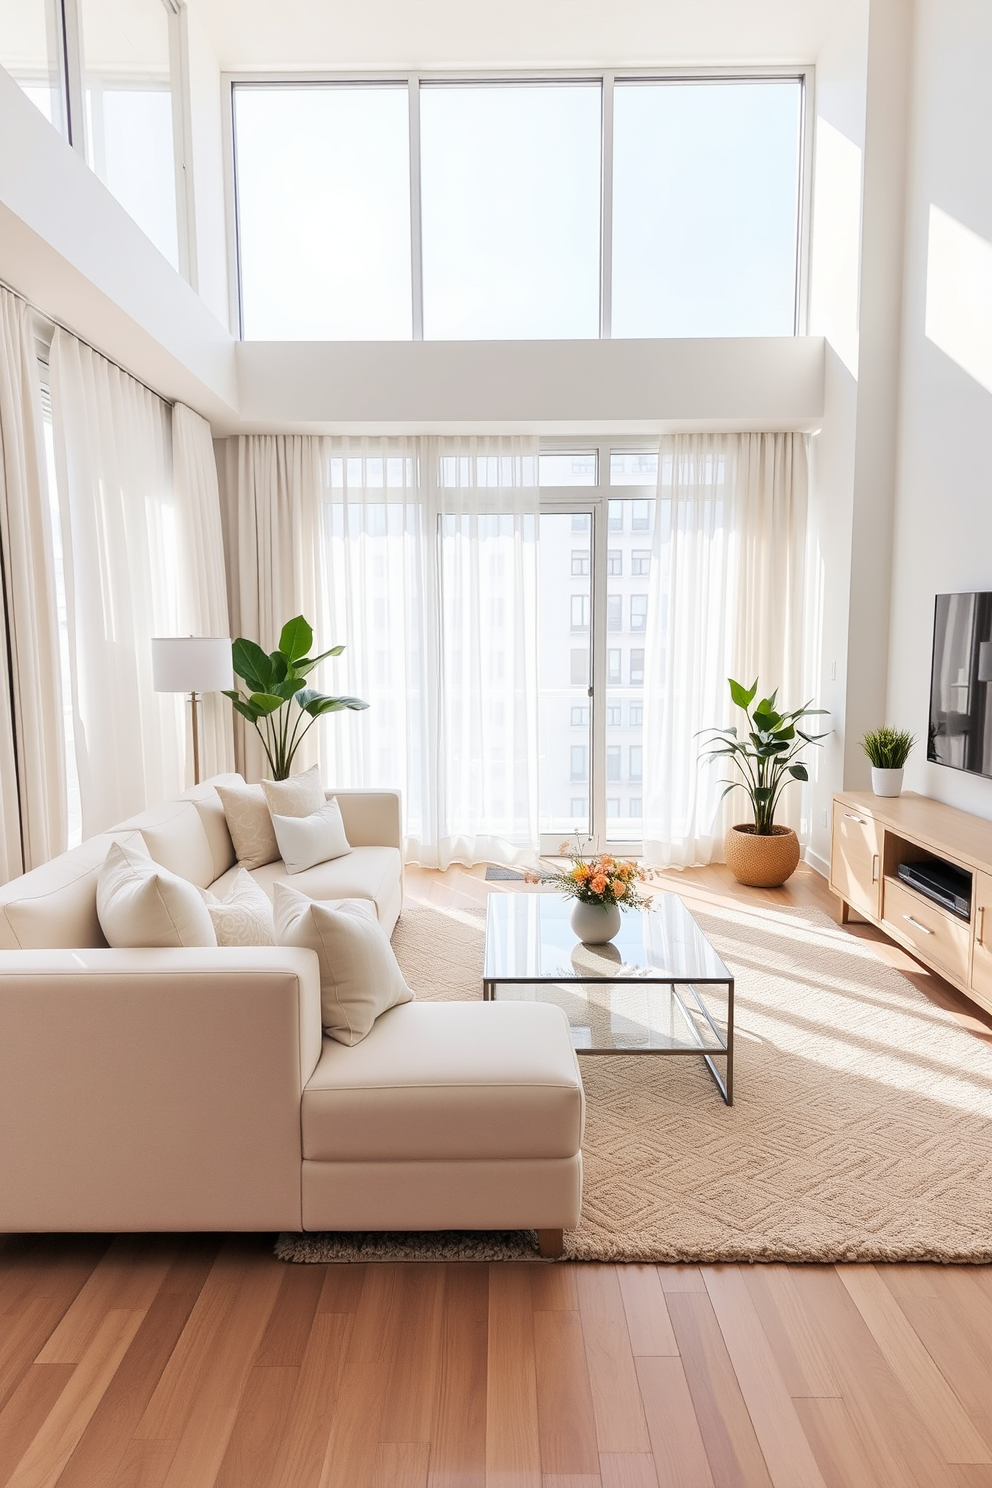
326,35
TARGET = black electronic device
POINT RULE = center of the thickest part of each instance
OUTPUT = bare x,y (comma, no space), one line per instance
941,882
960,726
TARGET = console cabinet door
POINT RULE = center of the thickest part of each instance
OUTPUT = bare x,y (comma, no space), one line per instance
856,860
981,965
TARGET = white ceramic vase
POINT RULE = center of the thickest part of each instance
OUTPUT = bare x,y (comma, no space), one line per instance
594,924
886,782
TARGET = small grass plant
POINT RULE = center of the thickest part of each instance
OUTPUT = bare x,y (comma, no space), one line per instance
888,748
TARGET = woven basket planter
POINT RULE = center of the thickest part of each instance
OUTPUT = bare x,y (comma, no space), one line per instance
762,861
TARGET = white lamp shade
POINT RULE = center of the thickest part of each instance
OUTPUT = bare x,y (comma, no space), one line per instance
191,663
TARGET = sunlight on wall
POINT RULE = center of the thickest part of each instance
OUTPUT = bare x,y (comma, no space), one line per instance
836,253
959,295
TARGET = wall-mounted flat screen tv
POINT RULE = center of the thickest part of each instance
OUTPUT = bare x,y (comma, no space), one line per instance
960,732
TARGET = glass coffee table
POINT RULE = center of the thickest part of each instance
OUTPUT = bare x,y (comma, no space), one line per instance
658,988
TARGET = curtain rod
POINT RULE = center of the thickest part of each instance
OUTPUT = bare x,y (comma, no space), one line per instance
61,326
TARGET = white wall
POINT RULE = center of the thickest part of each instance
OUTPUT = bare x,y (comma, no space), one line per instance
207,144
601,387
943,521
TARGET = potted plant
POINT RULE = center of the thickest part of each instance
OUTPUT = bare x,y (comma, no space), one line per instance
766,753
888,750
601,886
275,680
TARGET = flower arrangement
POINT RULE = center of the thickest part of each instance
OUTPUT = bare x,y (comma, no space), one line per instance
599,880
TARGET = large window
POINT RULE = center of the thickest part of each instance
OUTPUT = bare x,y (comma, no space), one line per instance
323,201
30,50
480,209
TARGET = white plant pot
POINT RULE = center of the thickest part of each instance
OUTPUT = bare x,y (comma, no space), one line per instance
594,924
886,782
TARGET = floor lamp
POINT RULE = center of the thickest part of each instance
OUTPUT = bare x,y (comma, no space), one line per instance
193,664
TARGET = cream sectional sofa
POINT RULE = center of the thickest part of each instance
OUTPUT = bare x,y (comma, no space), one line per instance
193,1089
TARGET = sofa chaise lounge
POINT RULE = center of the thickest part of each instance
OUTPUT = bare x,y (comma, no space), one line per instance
192,1089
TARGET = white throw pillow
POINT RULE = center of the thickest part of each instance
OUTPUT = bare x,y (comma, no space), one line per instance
249,824
244,916
359,974
306,840
139,903
300,795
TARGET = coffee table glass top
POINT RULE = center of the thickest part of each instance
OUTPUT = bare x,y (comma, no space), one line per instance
529,939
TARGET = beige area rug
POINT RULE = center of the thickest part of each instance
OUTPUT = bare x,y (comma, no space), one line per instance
861,1127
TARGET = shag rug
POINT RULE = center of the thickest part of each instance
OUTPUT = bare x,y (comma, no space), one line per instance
861,1128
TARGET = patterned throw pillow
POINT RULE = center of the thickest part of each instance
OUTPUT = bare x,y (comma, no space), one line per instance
300,795
249,824
244,916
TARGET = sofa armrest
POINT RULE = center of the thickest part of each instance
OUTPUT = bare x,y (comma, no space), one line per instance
372,818
154,1089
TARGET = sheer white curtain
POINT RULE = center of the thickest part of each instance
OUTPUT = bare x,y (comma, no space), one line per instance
202,596
726,600
32,768
419,556
121,559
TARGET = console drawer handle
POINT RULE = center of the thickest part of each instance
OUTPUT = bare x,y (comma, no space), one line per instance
981,924
917,924
874,869
850,816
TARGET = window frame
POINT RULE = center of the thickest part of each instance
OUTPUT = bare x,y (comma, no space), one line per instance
607,78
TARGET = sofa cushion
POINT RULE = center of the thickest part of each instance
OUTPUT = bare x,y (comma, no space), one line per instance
300,795
244,916
180,843
54,907
373,873
249,824
359,974
305,841
140,903
448,1080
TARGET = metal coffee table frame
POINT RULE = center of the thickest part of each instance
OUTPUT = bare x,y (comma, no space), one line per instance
526,934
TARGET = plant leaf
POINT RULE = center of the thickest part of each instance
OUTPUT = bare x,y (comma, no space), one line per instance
242,706
266,703
798,772
742,696
296,639
251,663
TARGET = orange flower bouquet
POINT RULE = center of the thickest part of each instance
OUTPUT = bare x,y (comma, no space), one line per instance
600,880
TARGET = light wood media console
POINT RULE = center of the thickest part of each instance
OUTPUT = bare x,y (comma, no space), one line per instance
871,835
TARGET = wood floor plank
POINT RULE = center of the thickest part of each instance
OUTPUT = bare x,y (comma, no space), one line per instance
51,1448
628,1469
259,1427
102,1446
145,1464
679,1459
285,1340
400,1465
513,1447
342,1289
681,1279
372,1335
416,1355
898,1446
27,1410
564,1403
300,1458
353,1443
179,1385
620,1424
934,1401
22,1337
552,1288
458,1436
126,1280
797,1349
648,1323
735,1458
840,1453
571,1480
783,1443
964,1359
210,1421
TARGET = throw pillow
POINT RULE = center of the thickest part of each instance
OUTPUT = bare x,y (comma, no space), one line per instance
306,840
139,903
249,824
300,795
359,974
244,916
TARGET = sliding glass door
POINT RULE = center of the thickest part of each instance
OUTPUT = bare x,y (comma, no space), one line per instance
596,558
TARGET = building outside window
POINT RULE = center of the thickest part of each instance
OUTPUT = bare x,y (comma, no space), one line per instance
613,665
637,666
615,516
580,717
614,612
635,809
614,563
578,771
613,761
613,712
612,807
578,805
580,563
636,758
640,516
580,612
640,562
638,612
636,717
580,521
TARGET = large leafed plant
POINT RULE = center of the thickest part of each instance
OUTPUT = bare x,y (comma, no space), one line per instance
765,752
277,679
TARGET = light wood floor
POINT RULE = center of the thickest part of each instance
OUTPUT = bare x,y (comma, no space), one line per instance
137,1362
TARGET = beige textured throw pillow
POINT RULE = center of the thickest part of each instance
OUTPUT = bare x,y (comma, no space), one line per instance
244,916
359,974
139,903
306,840
249,824
300,795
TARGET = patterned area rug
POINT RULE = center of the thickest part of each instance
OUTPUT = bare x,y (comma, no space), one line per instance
861,1127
